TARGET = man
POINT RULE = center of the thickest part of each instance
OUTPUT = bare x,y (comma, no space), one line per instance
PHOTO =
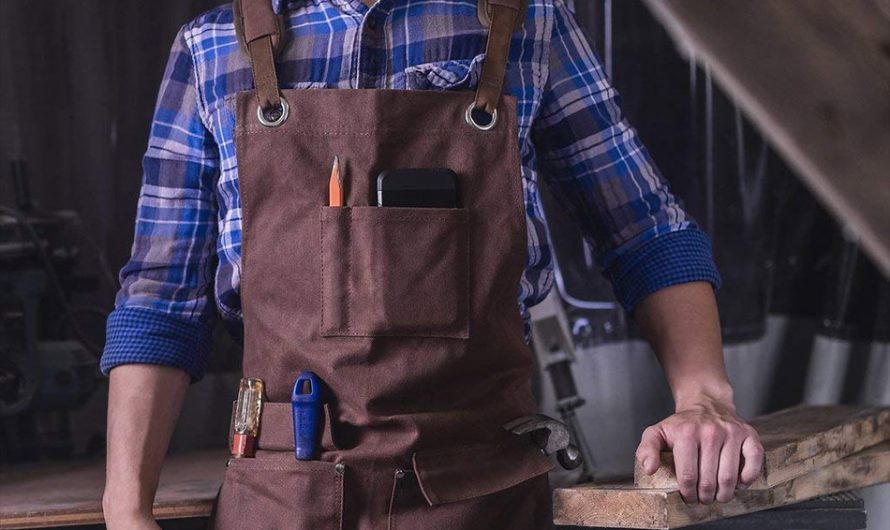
186,264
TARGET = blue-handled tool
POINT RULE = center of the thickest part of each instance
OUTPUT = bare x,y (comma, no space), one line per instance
306,405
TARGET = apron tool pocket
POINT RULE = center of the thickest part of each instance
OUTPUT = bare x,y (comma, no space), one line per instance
395,272
494,485
274,491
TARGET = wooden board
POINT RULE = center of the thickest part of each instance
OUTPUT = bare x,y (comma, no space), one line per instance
625,506
814,77
37,496
797,441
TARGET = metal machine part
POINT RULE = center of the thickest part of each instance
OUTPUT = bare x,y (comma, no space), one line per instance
44,373
553,344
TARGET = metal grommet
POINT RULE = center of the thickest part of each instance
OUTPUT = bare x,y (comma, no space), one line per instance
400,474
340,468
278,116
468,115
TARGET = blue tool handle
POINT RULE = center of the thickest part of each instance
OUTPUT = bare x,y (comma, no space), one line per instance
306,405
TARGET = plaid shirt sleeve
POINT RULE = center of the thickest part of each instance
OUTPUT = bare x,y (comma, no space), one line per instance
164,312
600,173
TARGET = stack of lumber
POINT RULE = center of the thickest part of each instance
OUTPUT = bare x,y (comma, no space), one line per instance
809,452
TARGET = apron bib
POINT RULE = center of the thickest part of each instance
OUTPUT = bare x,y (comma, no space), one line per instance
408,315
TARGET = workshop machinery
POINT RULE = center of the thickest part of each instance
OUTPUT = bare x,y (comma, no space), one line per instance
48,365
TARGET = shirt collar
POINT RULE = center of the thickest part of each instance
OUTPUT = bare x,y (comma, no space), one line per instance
356,5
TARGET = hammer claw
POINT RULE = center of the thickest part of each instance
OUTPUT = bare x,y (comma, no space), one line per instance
549,434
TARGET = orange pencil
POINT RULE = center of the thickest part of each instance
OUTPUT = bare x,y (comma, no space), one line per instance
336,185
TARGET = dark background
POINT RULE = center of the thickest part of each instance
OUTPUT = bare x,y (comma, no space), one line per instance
806,317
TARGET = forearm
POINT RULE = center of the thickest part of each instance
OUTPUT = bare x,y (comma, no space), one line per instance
714,450
143,404
682,325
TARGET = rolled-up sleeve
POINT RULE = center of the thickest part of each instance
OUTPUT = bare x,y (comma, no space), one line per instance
164,311
600,173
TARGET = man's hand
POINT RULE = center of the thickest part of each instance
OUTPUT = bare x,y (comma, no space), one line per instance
714,451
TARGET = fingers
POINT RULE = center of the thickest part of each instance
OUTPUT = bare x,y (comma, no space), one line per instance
709,450
711,444
752,451
686,466
649,451
728,473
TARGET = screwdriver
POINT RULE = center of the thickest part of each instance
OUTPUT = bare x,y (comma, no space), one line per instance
248,409
306,408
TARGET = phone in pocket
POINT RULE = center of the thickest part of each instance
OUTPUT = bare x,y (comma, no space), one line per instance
418,188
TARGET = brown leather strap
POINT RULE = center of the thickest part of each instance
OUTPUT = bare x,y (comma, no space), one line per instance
504,16
485,15
261,34
265,79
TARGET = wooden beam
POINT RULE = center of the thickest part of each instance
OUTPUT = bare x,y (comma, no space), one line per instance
67,494
814,77
624,506
797,441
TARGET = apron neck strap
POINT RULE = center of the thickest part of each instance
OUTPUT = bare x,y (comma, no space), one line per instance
504,17
261,35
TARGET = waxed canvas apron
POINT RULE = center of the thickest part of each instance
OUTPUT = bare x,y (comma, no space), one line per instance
408,315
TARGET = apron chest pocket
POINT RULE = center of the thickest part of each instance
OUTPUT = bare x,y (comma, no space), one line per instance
395,272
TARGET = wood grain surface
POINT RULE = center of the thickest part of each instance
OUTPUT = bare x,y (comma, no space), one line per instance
64,494
625,506
814,77
797,441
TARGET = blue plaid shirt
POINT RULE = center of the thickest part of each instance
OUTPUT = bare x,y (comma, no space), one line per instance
185,269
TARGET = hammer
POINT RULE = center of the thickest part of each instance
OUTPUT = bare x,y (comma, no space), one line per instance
550,435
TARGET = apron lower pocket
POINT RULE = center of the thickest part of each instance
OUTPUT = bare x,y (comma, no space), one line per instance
459,473
274,491
395,272
496,485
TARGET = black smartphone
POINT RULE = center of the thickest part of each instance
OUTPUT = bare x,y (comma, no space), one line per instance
418,188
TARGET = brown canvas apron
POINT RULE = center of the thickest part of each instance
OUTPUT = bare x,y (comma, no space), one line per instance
408,315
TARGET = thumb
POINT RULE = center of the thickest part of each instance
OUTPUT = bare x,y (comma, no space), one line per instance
649,451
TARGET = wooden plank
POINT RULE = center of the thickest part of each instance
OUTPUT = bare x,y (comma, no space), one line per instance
624,506
797,441
67,494
840,511
814,77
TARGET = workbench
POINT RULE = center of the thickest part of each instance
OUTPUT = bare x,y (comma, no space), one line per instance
50,495
69,495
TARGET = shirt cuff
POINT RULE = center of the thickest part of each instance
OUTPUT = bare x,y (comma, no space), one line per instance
136,335
670,259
